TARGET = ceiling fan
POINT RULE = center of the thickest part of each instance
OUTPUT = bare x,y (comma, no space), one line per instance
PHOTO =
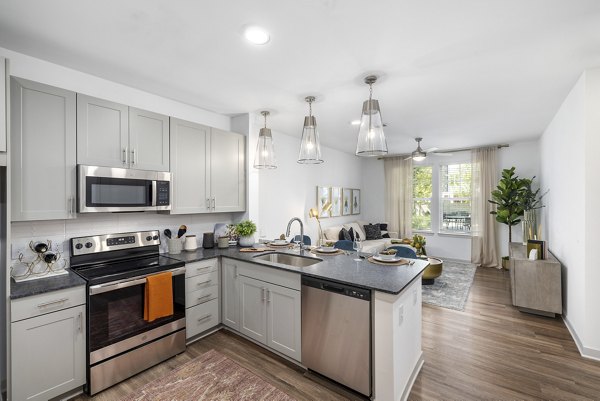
420,154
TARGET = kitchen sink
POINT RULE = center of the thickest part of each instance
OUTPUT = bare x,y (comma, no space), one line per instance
287,259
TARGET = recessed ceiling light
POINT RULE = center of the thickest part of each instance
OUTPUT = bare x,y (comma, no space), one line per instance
355,122
257,35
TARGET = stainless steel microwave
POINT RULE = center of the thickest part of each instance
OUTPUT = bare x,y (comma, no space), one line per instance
108,189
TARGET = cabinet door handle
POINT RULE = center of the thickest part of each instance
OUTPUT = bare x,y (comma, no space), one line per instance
264,297
207,203
204,317
202,268
125,156
74,205
235,271
203,282
213,204
80,325
133,159
204,297
268,295
50,303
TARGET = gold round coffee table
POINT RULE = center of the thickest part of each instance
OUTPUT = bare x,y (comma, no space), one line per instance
433,271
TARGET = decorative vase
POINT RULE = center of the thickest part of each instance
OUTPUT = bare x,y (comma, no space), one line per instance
246,241
529,225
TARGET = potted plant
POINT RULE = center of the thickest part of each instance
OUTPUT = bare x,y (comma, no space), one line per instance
245,229
531,201
419,243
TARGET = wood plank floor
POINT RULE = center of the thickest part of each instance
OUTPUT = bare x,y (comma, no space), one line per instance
490,351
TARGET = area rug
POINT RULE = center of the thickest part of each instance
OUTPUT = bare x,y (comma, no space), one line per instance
211,376
452,288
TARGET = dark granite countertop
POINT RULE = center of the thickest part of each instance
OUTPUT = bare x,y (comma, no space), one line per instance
42,285
339,268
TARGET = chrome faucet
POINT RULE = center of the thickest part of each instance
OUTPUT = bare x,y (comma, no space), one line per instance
287,232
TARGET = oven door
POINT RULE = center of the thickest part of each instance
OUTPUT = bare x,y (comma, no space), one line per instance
116,316
107,189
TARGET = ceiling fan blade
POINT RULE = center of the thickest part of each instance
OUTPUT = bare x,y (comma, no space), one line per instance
430,150
442,154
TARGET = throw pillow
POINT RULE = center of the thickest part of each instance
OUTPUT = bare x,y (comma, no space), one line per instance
372,231
383,226
346,235
357,229
385,234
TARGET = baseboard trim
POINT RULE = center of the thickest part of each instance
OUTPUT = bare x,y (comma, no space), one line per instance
413,377
586,352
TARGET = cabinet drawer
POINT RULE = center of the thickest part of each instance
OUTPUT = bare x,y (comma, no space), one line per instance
269,275
202,267
202,281
36,305
202,317
193,298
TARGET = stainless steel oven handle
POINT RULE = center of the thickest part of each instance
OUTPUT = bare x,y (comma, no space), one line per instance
100,288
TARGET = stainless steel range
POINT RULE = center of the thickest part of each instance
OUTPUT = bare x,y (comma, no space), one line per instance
120,342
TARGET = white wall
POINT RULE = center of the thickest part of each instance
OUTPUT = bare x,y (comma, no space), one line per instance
571,217
525,156
290,190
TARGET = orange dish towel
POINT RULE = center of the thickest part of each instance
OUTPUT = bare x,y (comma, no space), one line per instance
158,299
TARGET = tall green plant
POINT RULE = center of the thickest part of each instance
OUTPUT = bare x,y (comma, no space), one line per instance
508,199
531,199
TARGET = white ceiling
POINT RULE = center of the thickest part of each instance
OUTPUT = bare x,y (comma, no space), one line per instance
458,73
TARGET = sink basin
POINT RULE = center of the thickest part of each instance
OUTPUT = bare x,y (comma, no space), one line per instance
287,259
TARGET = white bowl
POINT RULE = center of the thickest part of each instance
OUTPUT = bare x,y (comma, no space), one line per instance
327,248
387,257
279,242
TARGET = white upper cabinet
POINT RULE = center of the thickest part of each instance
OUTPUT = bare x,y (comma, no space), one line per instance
189,167
43,155
208,169
102,132
148,140
227,171
114,135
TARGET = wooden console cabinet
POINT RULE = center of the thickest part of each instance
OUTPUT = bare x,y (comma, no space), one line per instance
535,284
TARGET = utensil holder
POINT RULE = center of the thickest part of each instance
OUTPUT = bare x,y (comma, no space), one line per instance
208,240
174,245
223,242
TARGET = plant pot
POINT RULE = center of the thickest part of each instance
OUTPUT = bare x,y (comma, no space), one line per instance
223,242
246,241
529,225
505,263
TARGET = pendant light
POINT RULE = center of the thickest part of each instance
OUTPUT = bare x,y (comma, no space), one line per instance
265,153
371,139
310,148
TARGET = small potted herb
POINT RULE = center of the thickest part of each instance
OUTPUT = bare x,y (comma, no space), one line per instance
245,230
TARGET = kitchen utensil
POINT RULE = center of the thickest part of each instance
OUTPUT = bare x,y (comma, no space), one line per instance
168,233
208,241
182,230
190,243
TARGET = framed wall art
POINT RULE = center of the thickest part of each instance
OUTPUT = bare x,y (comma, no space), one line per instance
346,201
336,201
323,196
356,201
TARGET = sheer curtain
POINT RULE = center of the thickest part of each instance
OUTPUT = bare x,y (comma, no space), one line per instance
398,195
484,251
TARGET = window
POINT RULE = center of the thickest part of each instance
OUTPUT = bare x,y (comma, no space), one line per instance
422,193
455,198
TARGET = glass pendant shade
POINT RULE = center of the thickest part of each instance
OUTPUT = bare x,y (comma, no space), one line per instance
264,158
310,148
371,139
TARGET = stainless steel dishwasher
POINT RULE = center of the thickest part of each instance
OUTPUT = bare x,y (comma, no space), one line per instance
336,332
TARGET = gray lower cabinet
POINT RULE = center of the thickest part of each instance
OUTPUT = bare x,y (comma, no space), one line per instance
202,289
111,134
208,167
270,308
47,345
230,295
43,158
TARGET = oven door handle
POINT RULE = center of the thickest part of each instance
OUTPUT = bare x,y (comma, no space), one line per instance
100,288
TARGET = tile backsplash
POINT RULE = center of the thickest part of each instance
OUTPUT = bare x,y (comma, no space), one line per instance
60,231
